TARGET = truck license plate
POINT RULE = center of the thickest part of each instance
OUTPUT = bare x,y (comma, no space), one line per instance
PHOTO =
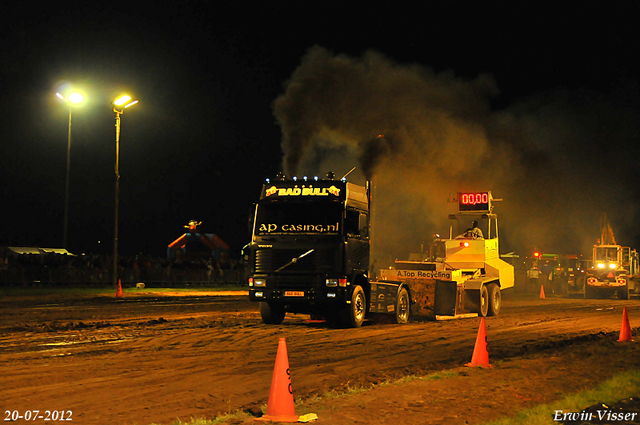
294,293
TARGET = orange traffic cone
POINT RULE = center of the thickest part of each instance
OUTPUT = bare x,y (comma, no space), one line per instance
119,291
542,297
280,406
480,354
625,329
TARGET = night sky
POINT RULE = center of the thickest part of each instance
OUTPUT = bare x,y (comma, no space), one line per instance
552,88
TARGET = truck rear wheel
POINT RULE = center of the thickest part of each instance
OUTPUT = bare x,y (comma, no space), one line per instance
272,314
484,301
352,315
403,307
495,299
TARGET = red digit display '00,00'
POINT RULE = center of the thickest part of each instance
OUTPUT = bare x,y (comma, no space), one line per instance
474,198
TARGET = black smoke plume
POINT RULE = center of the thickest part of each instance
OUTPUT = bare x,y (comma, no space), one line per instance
559,160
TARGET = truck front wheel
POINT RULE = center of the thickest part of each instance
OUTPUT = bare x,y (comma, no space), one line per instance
623,293
272,314
589,292
353,314
495,299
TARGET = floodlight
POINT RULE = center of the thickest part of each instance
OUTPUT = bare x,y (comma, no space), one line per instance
122,100
73,100
76,97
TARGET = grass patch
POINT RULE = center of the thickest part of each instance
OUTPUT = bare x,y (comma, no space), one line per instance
237,417
191,289
413,378
620,387
303,405
50,290
350,391
106,290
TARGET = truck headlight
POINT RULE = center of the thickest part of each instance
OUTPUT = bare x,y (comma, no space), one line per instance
612,266
259,282
331,282
601,265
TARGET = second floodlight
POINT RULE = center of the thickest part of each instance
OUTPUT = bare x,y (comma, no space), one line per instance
124,101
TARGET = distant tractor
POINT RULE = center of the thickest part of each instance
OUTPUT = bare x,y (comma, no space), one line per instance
615,268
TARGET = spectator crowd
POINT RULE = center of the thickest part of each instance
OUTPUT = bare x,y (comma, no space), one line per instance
94,269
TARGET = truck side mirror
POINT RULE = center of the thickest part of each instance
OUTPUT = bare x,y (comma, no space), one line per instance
252,212
364,225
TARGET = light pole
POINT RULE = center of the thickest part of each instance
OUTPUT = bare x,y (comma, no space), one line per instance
119,106
76,99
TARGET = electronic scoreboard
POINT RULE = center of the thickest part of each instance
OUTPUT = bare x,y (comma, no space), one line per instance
474,202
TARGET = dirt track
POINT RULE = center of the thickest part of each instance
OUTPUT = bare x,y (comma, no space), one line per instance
145,359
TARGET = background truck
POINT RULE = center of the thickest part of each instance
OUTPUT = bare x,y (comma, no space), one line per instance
614,269
572,274
309,253
560,273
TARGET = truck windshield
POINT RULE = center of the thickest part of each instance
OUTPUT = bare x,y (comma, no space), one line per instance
289,218
606,254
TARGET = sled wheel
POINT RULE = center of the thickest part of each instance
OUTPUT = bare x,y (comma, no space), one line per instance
484,302
495,299
403,307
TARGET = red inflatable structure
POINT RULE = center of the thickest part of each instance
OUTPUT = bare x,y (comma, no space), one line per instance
197,244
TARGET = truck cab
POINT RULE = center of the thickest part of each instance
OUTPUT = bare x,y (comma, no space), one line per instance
309,249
